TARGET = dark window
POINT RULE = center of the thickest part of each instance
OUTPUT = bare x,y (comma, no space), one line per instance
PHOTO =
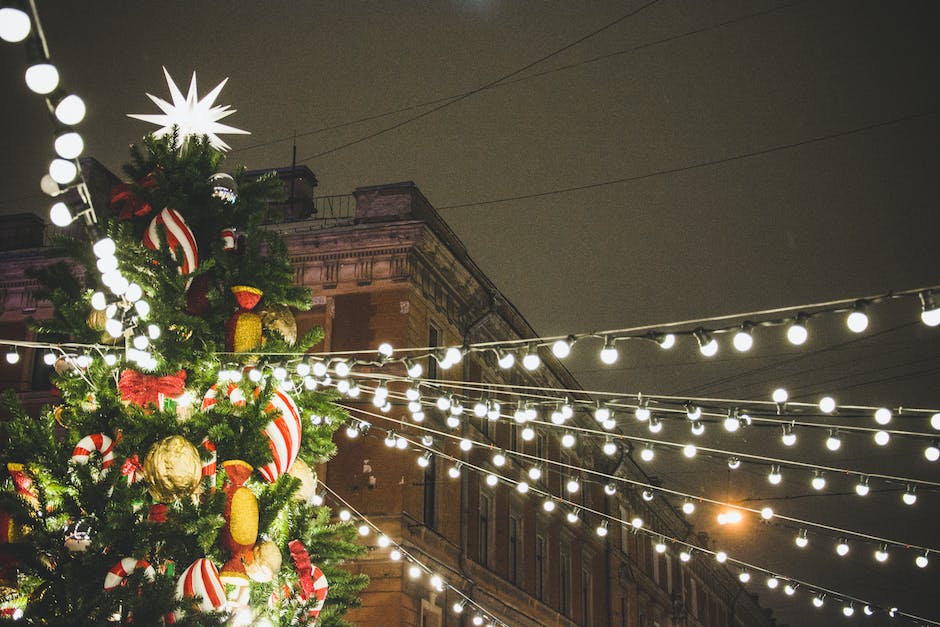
587,597
515,550
430,493
564,581
514,436
541,566
434,338
484,530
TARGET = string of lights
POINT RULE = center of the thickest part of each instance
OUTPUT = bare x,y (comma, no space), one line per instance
535,472
398,552
818,594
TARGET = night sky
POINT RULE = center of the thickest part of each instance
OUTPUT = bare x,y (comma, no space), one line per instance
693,159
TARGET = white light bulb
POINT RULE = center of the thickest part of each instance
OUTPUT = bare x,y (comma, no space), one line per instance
637,522
535,473
817,602
14,25
921,561
827,404
610,489
507,360
861,488
531,361
499,460
414,572
883,416
667,341
255,375
909,497
69,145
647,454
443,402
655,426
12,356
401,443
685,556
881,554
142,308
789,590
857,321
453,355
141,342
766,513
780,395
386,349
882,438
114,328
119,285
732,424
833,443
567,440
848,610
572,485
818,482
49,358
775,477
491,480
721,557
693,412
744,576
458,607
522,487
601,530
642,413
689,450
70,110
60,215
710,348
789,438
424,462
932,453
688,508
110,359
341,368
352,432
772,583
98,301
133,293
572,517
743,341
931,317
842,548
302,369
797,334
801,540
697,428
609,355
561,349
320,368
660,547
153,331
453,472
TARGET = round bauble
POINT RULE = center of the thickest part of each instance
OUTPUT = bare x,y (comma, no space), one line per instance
78,536
62,366
280,319
96,320
173,469
224,187
308,480
265,562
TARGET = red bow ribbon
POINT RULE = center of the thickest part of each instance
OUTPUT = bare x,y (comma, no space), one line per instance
142,389
304,569
132,203
132,469
158,513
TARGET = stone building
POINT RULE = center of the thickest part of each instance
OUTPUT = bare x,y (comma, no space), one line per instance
385,267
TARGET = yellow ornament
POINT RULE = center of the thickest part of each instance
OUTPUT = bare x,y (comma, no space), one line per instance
173,469
308,480
281,319
265,562
96,320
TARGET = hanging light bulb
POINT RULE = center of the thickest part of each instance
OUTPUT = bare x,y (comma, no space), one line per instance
425,460
452,356
743,340
707,345
14,24
528,434
818,600
693,412
531,360
882,553
789,436
921,561
609,354
647,495
562,347
789,589
857,320
352,432
572,486
721,557
827,404
601,413
610,489
63,171
868,610
780,396
801,539
567,440
506,360
882,438
68,144
535,473
609,447
499,459
861,488
70,109
819,481
767,513
458,606
454,471
666,340
697,428
848,610
744,576
12,355
834,442
414,368
842,548
909,497
572,516
688,507
775,477
930,313
685,555
660,546
689,450
772,582
491,480
647,454
522,487
731,422
602,529
932,452
796,332
883,415
636,522
734,463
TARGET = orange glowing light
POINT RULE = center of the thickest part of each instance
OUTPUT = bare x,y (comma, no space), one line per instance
729,517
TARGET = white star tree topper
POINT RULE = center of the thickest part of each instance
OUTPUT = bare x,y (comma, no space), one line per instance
193,116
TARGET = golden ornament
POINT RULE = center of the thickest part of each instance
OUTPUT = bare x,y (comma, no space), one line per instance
96,320
308,480
173,469
265,562
281,319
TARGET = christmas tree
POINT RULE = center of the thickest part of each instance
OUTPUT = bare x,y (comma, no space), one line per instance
173,482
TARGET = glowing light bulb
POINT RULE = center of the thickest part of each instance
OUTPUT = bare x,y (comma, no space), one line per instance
667,341
744,576
827,404
531,360
772,583
114,328
345,515
465,444
414,572
14,25
817,601
648,495
775,477
693,412
609,354
567,440
857,320
834,443
142,308
453,472
12,356
491,480
522,487
883,416
636,522
801,539
660,547
647,454
909,497
818,482
921,561
453,355
602,413
861,488
507,360
789,436
797,333
930,313
572,486
688,508
848,610
572,516
499,460
842,548
689,450
743,340
60,215
609,448
707,345
881,554
602,529
535,473
352,432
932,453
732,424
610,489
767,513
655,426
721,557
561,348
424,461
882,438
685,556
394,555
63,171
548,505
385,349
734,463
780,395
70,110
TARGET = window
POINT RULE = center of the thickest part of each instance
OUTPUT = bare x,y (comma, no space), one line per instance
541,566
587,596
515,550
484,530
564,581
514,436
434,338
430,493
431,615
624,531
541,448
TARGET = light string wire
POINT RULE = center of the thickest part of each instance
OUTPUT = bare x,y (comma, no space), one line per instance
813,588
411,558
839,531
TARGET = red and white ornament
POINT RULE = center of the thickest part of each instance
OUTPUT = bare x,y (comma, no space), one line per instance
320,588
99,442
181,242
201,579
120,571
232,391
229,239
284,434
209,466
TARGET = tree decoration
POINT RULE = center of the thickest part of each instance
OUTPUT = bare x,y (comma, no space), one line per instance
284,434
308,480
78,536
224,187
170,229
265,562
173,469
281,320
201,579
142,389
120,571
241,522
96,442
243,330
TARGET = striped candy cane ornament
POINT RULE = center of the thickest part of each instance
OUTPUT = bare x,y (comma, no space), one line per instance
120,571
284,432
95,442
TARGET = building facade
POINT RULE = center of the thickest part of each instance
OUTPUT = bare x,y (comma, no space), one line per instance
384,267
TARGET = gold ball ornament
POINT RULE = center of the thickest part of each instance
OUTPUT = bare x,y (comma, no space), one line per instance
281,319
308,480
265,562
173,469
96,320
